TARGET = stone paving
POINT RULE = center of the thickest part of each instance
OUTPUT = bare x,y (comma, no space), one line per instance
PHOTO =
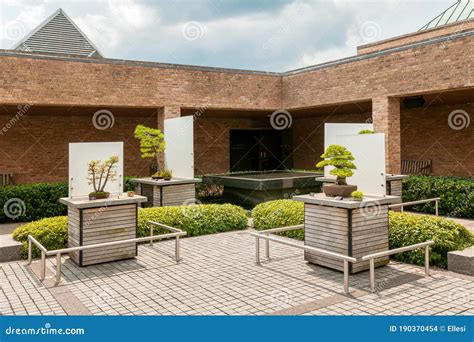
218,276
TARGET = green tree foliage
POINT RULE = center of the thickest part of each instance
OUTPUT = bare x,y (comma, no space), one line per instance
152,142
341,158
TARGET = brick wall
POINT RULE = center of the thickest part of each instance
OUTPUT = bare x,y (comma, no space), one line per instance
35,148
417,37
426,134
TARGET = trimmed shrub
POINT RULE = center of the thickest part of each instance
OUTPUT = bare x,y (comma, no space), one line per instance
195,220
280,213
408,229
456,193
51,232
40,199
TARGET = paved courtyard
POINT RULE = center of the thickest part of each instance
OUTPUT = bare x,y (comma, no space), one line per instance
218,276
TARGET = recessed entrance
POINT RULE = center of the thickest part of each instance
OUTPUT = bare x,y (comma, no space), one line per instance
259,149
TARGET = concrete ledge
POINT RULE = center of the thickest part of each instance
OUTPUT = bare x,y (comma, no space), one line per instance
9,248
462,261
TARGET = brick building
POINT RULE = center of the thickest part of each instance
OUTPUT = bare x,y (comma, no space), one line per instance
418,89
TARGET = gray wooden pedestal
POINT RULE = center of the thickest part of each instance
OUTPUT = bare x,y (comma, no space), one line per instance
347,227
160,193
100,221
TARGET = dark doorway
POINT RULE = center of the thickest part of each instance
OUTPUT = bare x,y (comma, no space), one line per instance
258,149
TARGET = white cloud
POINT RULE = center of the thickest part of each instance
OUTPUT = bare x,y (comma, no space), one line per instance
272,36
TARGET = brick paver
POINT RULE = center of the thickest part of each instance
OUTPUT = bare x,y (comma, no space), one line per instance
218,276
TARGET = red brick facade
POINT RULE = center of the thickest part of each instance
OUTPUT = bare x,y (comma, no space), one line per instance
34,148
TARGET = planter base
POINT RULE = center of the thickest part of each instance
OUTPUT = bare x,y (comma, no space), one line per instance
334,190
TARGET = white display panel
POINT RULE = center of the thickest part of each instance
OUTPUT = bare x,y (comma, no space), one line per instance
179,152
369,153
332,130
80,154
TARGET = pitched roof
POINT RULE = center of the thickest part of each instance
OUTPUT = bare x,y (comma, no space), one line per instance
459,11
58,34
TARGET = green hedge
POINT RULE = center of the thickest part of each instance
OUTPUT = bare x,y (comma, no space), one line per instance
407,229
280,213
195,220
457,194
51,232
39,200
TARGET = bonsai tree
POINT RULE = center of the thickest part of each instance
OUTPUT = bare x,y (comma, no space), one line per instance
366,131
152,142
99,173
341,158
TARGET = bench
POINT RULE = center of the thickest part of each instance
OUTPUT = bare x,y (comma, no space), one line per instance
416,167
6,179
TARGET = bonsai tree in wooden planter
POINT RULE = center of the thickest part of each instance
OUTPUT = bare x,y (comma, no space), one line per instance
341,158
152,144
99,173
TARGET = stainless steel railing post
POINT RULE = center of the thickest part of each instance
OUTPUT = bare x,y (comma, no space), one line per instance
427,260
43,265
372,274
176,248
267,249
346,276
58,268
151,234
30,251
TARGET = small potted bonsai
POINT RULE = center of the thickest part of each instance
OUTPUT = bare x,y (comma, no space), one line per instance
99,173
357,195
152,144
341,158
167,174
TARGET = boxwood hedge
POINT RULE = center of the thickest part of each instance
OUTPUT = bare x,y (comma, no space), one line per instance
279,213
407,229
456,193
195,220
38,200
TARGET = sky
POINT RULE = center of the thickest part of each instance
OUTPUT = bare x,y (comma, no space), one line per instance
267,35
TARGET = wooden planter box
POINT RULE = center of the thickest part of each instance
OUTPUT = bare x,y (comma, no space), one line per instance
346,227
161,193
99,221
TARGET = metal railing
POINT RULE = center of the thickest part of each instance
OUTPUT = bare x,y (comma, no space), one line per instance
176,233
266,236
372,257
405,204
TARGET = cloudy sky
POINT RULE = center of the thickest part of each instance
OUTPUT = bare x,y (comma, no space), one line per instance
273,35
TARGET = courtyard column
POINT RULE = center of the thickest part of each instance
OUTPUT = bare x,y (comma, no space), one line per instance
386,119
167,112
